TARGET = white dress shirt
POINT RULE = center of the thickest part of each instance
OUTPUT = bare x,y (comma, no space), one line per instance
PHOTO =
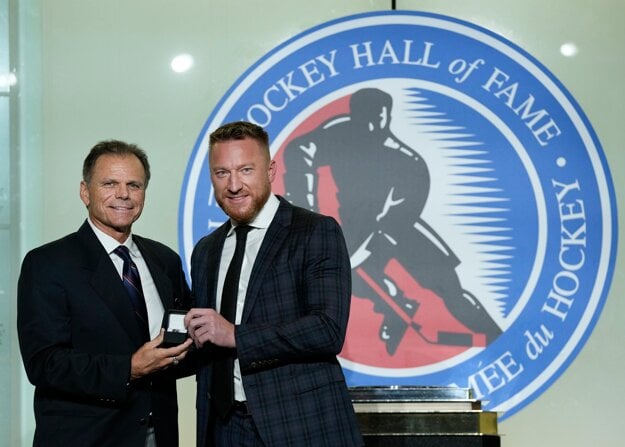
153,301
254,240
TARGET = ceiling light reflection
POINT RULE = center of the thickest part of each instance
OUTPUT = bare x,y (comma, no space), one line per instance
568,49
182,63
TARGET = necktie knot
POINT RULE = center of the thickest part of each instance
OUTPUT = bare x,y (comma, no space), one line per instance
123,252
241,231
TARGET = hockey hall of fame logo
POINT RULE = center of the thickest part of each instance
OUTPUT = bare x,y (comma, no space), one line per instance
474,196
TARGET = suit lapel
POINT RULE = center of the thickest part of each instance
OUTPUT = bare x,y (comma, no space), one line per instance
209,267
107,284
274,239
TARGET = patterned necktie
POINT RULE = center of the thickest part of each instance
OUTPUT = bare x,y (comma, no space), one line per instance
132,284
223,371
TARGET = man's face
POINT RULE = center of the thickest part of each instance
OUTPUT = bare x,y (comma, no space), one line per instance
241,173
115,194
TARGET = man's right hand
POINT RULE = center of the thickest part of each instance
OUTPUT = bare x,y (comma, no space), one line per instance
150,358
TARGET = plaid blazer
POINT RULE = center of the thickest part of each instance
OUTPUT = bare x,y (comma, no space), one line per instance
293,326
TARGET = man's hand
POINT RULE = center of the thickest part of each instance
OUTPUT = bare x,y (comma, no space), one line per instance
208,326
150,358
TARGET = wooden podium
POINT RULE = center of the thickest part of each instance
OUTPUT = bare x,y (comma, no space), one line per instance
402,416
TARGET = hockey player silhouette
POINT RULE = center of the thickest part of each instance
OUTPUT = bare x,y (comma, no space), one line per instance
382,186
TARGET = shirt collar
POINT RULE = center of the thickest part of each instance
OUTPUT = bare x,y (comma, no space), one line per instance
110,244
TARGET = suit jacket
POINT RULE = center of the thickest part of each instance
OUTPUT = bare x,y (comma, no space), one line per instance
293,326
77,333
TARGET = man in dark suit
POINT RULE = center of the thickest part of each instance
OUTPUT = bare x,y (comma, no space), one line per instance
278,347
99,379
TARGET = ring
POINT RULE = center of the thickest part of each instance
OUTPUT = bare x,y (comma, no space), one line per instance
175,360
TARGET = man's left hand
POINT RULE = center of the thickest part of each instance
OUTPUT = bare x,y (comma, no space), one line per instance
208,326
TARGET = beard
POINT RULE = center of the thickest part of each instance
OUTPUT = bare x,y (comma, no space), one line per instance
245,213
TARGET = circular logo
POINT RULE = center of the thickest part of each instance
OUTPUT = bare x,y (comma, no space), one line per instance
474,196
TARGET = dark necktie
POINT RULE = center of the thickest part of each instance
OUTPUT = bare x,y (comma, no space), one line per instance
223,371
132,284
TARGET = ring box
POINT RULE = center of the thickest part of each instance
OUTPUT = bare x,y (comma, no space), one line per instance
175,332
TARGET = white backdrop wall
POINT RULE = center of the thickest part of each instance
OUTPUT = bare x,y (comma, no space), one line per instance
98,69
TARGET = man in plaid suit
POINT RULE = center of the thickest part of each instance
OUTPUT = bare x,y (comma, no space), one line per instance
292,308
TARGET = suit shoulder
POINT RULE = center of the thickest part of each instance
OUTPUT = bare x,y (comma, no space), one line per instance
307,217
205,244
61,245
204,241
65,254
213,236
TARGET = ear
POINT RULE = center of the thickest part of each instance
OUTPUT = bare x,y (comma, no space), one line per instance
272,170
84,193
